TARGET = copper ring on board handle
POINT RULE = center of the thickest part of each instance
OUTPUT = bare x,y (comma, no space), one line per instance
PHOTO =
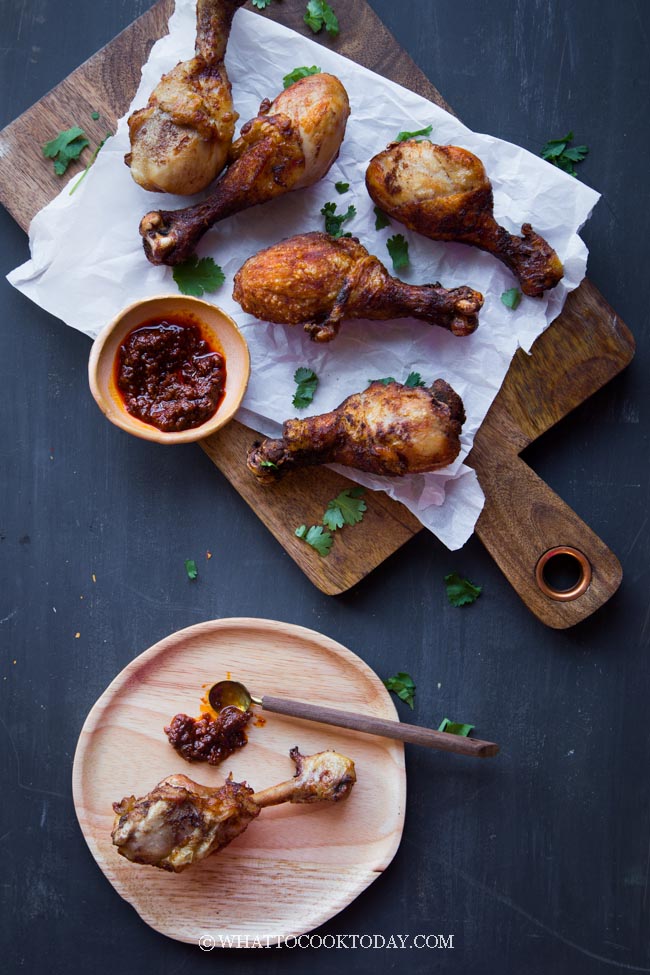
581,586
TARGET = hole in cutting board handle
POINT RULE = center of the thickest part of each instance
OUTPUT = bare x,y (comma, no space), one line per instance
563,573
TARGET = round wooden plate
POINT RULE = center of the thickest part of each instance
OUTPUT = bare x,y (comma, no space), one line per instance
296,866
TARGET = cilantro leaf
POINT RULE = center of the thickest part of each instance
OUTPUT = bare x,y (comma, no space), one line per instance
511,298
299,73
346,509
576,153
269,463
319,14
402,685
455,727
403,136
398,248
461,592
381,220
195,277
306,381
341,187
53,148
191,569
261,4
316,537
90,162
94,116
555,147
413,379
560,154
65,148
333,517
334,221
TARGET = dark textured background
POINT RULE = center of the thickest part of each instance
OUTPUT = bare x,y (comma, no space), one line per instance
537,862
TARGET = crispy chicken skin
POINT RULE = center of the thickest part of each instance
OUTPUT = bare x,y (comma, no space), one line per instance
180,141
291,144
444,193
316,280
389,429
180,821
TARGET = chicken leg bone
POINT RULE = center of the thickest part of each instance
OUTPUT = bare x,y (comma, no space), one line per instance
324,777
291,144
181,139
388,429
444,193
181,822
316,280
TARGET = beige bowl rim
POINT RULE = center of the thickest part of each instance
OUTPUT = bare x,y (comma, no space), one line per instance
221,327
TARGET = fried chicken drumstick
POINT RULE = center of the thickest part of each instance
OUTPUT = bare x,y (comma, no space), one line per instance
291,144
387,429
180,822
316,280
444,193
180,141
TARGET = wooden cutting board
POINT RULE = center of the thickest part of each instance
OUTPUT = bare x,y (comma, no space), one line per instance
584,348
296,866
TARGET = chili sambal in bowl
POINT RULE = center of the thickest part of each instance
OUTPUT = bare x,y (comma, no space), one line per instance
171,369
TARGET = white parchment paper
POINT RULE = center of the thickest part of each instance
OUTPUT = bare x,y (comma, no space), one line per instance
87,260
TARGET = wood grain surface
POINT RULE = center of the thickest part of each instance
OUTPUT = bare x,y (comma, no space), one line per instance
522,518
296,865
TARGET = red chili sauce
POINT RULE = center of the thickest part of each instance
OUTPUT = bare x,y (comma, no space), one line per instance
208,739
168,375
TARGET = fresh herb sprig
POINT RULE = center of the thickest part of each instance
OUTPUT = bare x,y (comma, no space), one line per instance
455,727
65,148
413,379
511,298
381,220
403,685
398,248
334,221
299,73
347,508
403,136
195,277
461,592
559,153
319,14
316,537
341,187
306,382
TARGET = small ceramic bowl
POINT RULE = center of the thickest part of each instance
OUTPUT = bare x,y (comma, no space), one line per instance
223,335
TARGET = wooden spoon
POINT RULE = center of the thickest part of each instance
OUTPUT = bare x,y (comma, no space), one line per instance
230,693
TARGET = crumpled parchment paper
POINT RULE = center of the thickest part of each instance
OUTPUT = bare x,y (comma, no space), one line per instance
87,260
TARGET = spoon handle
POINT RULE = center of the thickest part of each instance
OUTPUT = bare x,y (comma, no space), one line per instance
380,726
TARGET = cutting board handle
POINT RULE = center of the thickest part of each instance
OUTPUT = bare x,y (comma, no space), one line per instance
524,525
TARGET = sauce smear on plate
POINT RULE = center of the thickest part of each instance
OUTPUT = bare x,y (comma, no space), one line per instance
168,374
